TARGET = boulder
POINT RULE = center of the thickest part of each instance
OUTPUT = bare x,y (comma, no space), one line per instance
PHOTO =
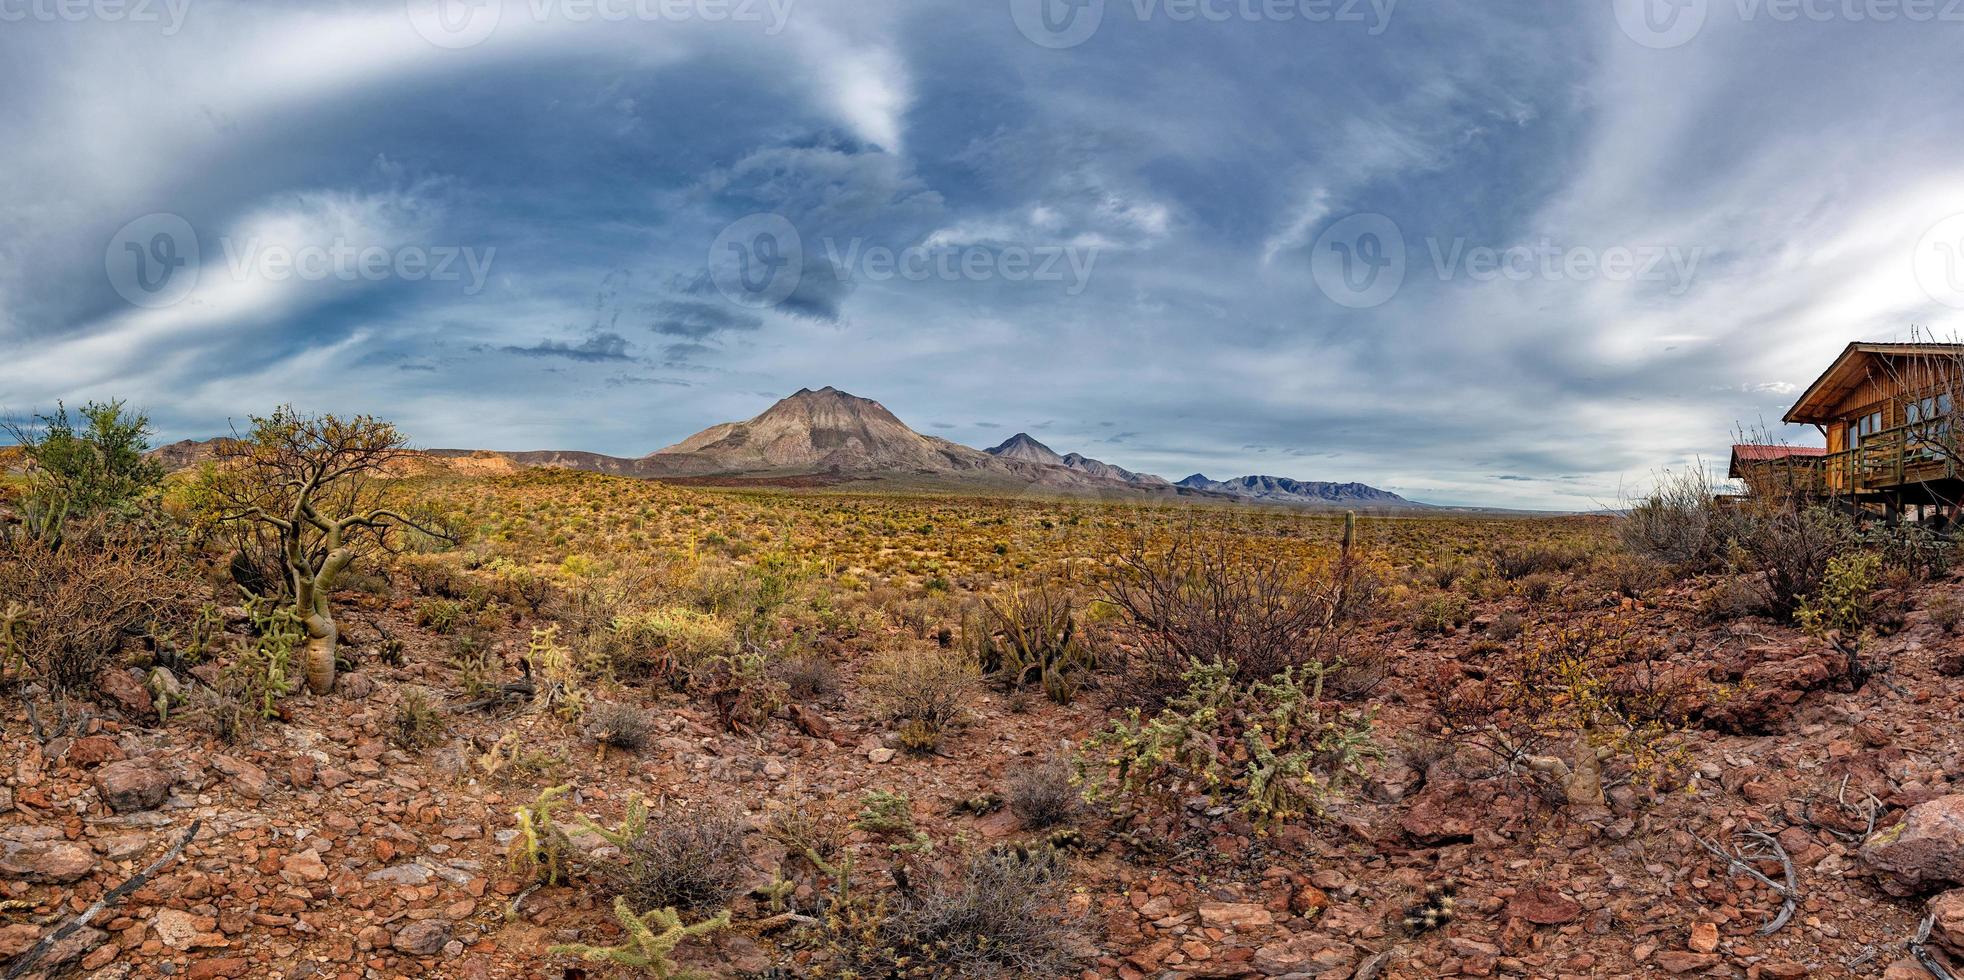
1448,810
133,784
1923,852
1948,910
18,939
1769,691
92,751
126,692
40,854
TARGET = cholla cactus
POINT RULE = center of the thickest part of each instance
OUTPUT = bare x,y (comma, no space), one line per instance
540,847
15,621
1268,747
633,825
650,940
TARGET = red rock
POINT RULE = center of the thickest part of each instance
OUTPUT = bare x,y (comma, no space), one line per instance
39,857
1948,909
133,784
93,750
1448,810
1235,916
1768,692
226,967
1680,961
1922,852
127,693
18,939
1704,938
1783,970
425,938
1544,906
250,780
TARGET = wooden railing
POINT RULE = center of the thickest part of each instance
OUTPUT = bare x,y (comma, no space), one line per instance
1886,459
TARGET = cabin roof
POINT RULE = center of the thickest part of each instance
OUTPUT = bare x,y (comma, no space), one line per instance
1756,452
1855,365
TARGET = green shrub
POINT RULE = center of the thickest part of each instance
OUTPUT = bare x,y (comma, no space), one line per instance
1442,613
667,644
1846,596
1028,638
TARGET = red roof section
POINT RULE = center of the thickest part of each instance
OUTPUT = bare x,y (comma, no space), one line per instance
1754,452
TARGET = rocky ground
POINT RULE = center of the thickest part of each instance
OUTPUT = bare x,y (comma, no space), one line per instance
321,850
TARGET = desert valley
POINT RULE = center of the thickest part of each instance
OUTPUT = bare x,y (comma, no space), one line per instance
814,695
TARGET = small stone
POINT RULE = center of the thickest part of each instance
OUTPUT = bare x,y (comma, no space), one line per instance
1236,916
881,755
1704,938
1544,906
305,866
1783,970
181,930
250,780
1680,961
215,969
425,938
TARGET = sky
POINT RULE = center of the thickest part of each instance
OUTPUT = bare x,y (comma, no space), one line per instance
1523,255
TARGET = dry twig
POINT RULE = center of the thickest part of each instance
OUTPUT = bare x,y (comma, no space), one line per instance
112,897
1764,846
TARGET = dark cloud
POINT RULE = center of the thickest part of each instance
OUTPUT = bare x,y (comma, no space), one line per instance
599,347
698,320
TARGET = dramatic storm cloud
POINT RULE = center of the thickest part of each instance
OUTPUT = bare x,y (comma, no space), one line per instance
1521,255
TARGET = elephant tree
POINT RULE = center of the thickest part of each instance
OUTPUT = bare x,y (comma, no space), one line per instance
303,489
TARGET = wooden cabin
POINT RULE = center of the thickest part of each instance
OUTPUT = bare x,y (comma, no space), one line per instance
1886,412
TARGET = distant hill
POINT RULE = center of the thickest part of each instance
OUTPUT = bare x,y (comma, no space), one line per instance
1282,490
1022,446
829,436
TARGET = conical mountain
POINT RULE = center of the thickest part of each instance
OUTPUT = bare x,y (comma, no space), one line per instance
823,431
1022,446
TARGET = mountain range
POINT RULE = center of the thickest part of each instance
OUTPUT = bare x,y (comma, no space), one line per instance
832,437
